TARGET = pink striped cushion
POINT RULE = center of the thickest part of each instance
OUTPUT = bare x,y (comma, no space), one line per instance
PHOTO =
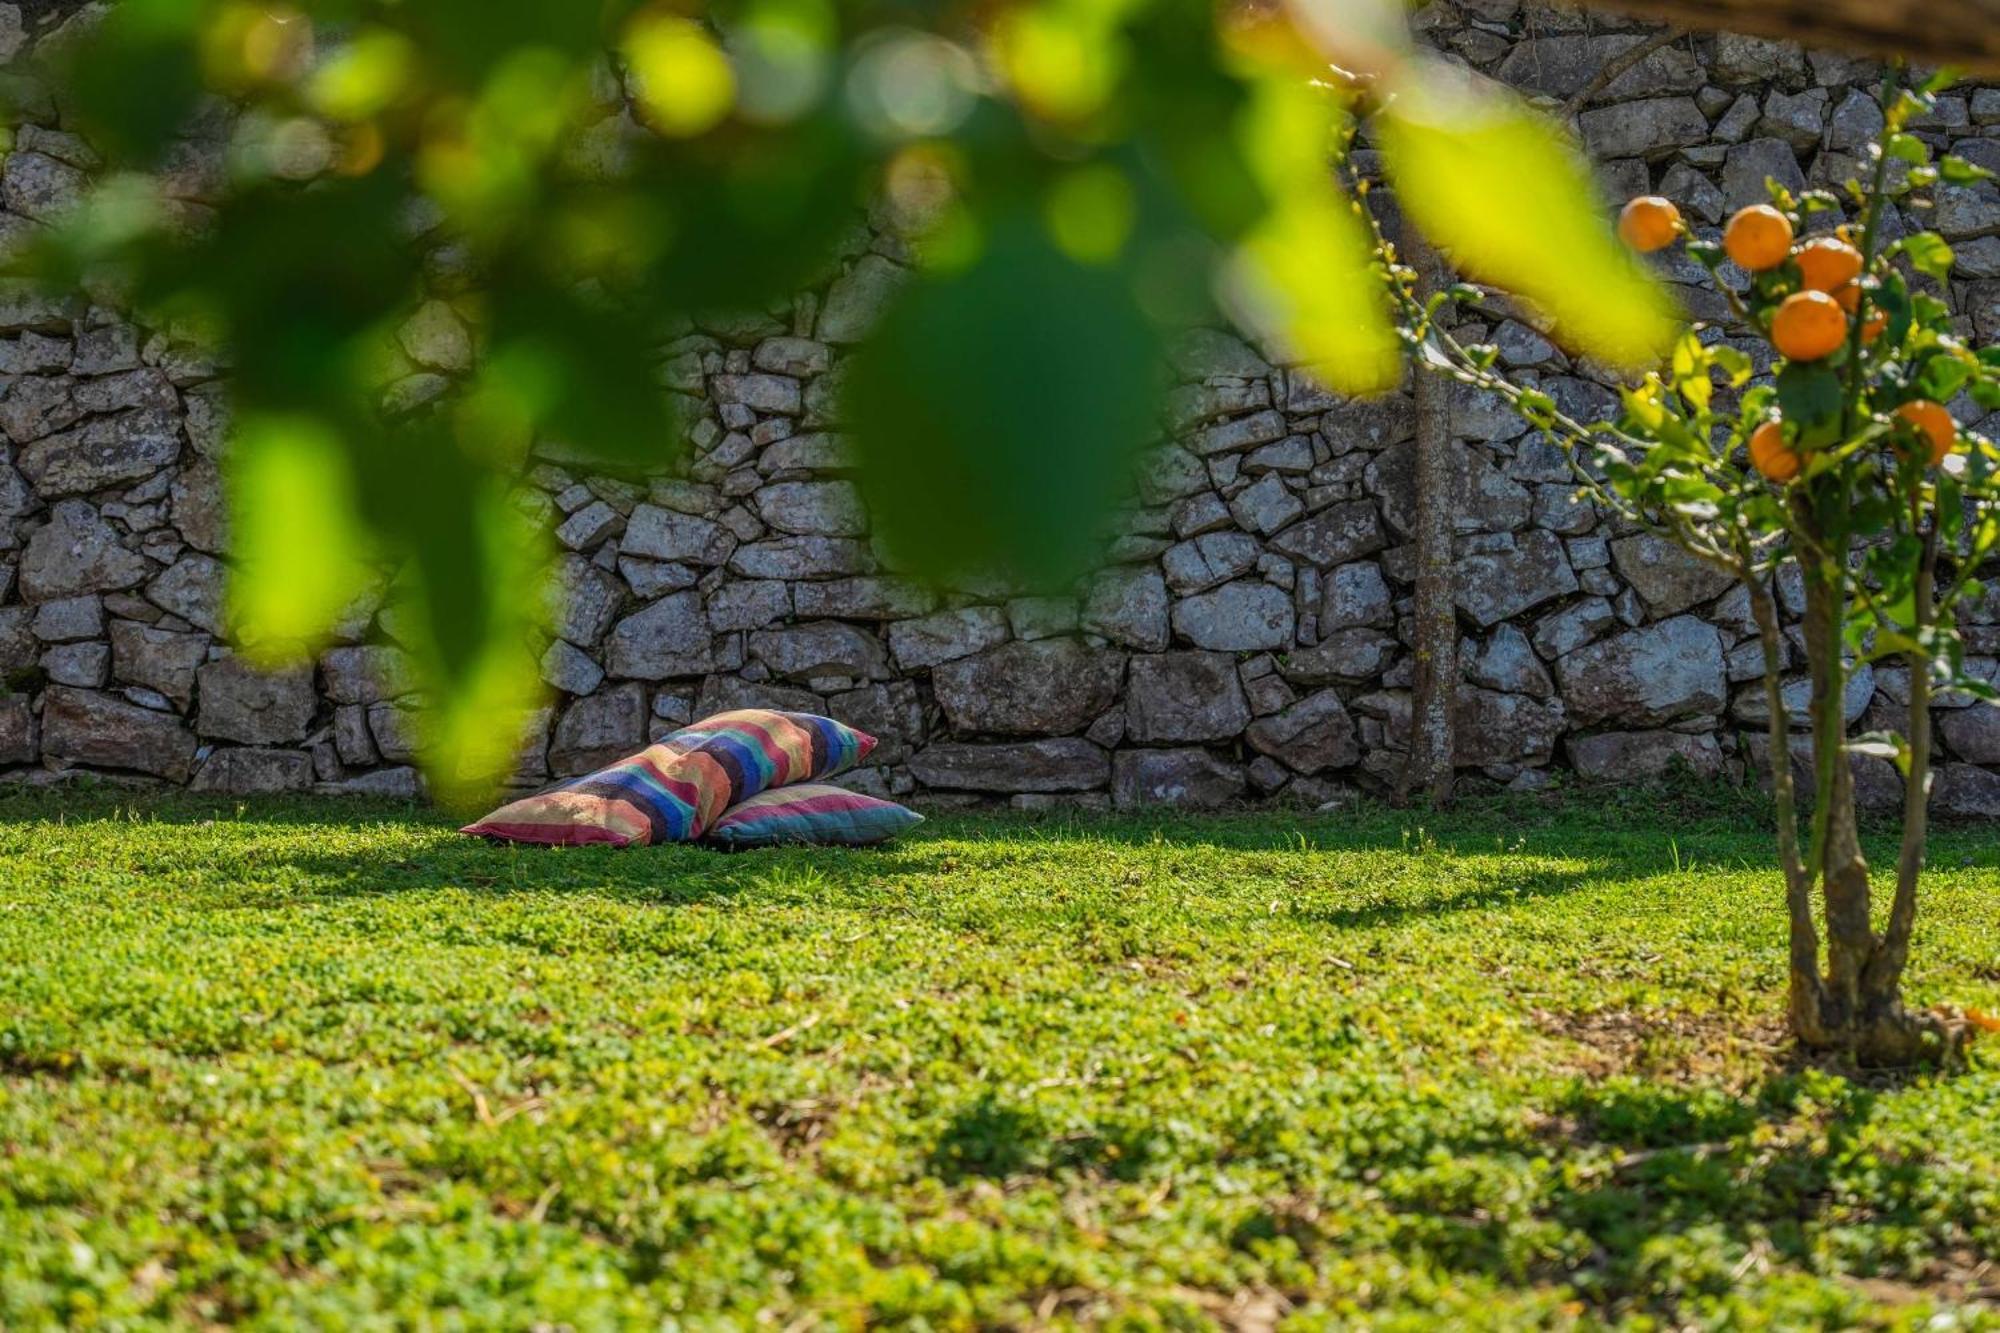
813,814
673,790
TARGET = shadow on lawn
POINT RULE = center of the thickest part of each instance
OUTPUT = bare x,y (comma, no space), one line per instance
351,862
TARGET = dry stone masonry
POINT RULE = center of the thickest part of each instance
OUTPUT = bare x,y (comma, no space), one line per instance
1245,638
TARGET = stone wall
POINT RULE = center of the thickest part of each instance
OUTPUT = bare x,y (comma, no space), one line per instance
1246,638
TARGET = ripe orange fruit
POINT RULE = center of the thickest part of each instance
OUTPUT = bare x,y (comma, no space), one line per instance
1934,422
1808,325
1827,265
1758,237
1771,455
1649,223
1848,294
1871,328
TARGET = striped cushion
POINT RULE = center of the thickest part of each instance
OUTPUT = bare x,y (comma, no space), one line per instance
673,790
811,813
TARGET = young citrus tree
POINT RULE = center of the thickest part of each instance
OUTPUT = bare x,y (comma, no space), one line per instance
1847,461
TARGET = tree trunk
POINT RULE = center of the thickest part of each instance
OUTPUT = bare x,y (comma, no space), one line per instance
1807,997
1856,1007
1434,696
1843,872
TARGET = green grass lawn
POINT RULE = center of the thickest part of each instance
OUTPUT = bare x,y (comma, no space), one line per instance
336,1065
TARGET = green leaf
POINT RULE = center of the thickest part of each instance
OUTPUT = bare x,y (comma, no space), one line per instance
1307,274
1907,148
301,557
997,411
460,604
580,369
1690,367
1734,362
1928,254
1809,396
1497,185
1883,745
1306,277
1955,170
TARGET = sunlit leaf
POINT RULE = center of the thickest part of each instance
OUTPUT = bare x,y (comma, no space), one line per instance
364,75
1928,254
1907,148
300,553
997,411
1062,60
1955,170
680,76
1307,275
1516,205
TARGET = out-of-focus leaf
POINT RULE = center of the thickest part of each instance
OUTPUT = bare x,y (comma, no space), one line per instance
578,368
997,410
1307,274
1063,60
303,282
135,80
464,604
1516,205
1366,36
1090,212
364,75
466,39
752,219
300,553
1186,111
1307,277
681,79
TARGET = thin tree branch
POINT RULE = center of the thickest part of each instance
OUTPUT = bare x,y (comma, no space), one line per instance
1613,68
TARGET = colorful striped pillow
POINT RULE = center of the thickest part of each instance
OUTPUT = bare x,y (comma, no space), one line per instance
812,814
674,790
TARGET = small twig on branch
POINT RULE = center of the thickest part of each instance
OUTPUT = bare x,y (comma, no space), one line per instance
1625,60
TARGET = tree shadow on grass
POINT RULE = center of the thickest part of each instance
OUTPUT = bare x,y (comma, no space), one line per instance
1688,1186
330,838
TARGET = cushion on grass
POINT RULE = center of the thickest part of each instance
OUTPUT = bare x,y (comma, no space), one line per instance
673,790
814,814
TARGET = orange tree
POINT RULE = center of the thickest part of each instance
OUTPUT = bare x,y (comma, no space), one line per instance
1847,462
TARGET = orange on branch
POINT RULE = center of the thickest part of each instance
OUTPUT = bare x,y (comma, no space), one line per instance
1828,265
1648,223
1871,328
1935,424
1758,237
1849,296
1771,455
1808,326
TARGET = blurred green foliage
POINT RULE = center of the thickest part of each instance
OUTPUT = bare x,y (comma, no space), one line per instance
1077,174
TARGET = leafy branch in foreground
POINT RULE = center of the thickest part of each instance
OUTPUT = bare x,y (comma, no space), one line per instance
1845,462
587,185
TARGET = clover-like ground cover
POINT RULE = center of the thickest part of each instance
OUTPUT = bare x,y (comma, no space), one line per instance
329,1064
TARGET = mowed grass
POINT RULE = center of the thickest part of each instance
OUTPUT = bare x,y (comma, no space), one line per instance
334,1065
